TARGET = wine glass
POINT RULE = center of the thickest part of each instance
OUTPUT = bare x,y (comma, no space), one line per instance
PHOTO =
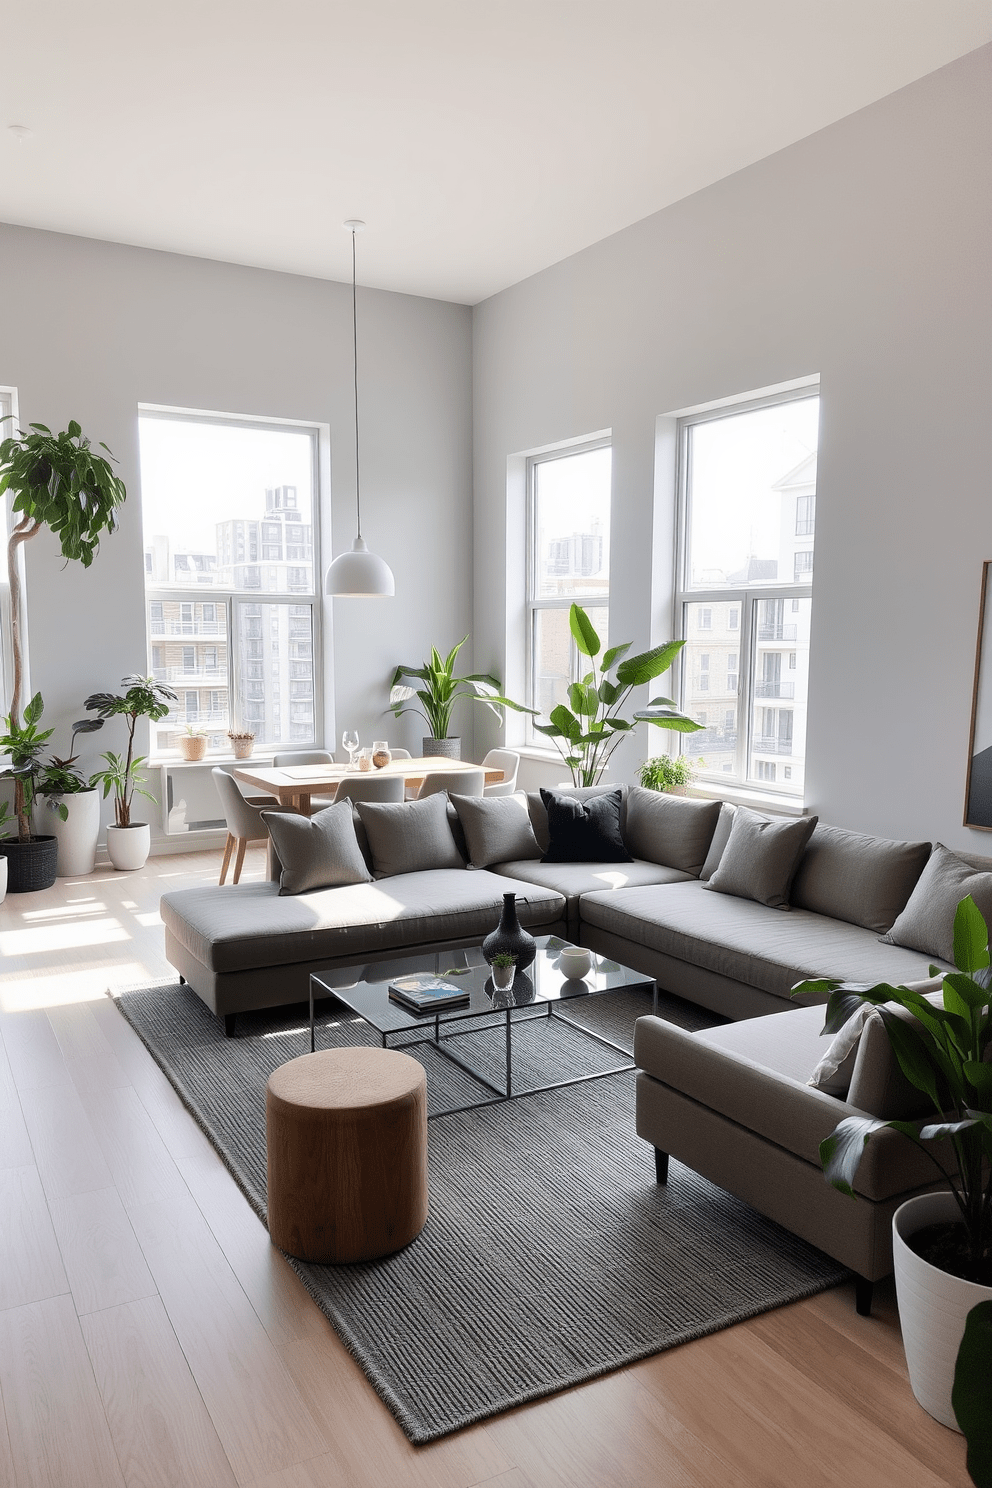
349,741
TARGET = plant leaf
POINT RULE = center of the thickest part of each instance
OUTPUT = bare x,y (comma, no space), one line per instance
583,631
971,937
841,1152
636,670
972,1392
615,653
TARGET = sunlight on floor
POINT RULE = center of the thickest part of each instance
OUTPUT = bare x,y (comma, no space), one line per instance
22,994
39,940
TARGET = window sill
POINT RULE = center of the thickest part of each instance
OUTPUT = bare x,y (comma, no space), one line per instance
739,795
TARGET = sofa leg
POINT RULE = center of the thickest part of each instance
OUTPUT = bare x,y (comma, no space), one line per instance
182,981
229,1024
863,1290
661,1165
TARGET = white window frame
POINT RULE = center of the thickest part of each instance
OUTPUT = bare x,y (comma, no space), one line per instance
231,600
8,406
533,602
747,597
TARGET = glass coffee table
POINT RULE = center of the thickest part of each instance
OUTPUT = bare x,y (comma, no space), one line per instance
542,991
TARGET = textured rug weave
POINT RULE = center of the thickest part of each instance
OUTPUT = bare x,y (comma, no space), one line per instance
550,1255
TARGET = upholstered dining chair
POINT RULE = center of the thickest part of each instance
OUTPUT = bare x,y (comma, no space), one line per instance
508,761
370,788
244,821
301,757
456,782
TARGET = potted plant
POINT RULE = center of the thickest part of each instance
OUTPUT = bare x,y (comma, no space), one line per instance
590,728
56,481
942,1242
667,772
31,860
68,806
129,842
440,691
504,969
192,743
242,742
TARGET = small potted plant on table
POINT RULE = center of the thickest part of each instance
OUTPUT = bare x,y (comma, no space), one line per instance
504,969
129,842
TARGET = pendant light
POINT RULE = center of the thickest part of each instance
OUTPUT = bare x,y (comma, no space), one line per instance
358,574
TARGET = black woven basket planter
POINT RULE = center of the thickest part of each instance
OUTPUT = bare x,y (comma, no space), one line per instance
30,865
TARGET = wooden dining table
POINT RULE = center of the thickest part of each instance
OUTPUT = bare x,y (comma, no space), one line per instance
294,785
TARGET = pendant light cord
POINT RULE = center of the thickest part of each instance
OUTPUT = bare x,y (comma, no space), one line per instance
354,329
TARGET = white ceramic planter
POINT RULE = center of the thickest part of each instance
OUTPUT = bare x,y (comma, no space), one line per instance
933,1306
3,878
129,846
77,835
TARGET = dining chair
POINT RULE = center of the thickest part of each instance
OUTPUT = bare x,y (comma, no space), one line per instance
244,821
301,757
508,761
370,788
455,782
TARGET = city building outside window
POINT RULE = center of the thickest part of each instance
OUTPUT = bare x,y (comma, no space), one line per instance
218,496
747,493
568,562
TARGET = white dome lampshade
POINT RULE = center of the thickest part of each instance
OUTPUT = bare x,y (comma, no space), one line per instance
360,574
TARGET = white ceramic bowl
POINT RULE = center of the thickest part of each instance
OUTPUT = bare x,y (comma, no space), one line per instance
575,962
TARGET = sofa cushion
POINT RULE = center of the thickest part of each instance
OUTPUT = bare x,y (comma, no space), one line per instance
673,830
751,1073
584,831
319,851
409,836
927,922
230,932
575,879
539,812
721,834
748,942
850,876
497,828
835,1067
761,856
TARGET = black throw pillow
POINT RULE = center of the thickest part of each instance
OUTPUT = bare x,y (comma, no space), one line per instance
584,831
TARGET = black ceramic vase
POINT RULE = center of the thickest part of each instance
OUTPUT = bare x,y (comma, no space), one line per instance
509,937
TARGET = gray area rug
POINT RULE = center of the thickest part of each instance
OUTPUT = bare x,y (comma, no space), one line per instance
550,1255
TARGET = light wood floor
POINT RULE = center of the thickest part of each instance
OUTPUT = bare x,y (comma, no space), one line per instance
150,1335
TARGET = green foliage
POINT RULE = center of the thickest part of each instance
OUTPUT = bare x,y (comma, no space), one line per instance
503,958
944,1053
60,777
143,697
441,690
58,481
587,731
24,744
663,771
973,1391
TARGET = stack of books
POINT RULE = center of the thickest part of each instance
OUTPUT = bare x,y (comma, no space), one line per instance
425,993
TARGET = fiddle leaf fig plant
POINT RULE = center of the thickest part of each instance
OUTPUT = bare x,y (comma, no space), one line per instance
587,731
57,481
440,691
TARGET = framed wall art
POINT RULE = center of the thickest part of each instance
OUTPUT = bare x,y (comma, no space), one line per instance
978,791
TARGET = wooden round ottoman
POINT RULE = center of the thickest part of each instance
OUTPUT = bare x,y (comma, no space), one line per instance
346,1131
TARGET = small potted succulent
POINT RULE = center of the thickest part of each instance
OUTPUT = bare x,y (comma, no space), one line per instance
192,743
242,742
504,969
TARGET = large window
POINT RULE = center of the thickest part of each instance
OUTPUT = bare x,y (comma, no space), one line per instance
231,574
8,427
746,520
568,561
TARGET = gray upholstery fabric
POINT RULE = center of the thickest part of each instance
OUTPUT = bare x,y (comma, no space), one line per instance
539,814
497,828
317,852
744,1072
411,837
575,879
927,922
229,932
864,880
673,830
748,942
836,1065
761,857
878,1085
721,833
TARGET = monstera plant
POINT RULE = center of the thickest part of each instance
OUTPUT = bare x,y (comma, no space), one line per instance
587,731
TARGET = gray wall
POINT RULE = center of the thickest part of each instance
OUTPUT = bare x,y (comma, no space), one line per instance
861,254
90,330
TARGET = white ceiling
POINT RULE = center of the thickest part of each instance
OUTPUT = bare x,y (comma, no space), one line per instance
480,142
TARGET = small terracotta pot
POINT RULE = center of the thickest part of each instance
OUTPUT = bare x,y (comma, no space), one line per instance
192,746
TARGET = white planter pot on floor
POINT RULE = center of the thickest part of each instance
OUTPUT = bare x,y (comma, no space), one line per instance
129,846
933,1306
77,835
3,878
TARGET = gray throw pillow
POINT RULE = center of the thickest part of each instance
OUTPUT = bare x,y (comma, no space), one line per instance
721,834
863,880
672,830
410,836
497,828
927,922
761,857
319,851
